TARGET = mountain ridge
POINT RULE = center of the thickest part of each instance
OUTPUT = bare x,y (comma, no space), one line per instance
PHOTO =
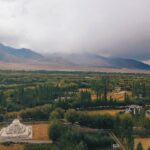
9,54
23,55
94,60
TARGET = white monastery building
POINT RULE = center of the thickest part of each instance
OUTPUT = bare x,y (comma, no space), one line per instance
16,130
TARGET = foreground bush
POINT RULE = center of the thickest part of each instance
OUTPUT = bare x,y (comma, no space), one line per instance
146,123
40,147
78,140
71,138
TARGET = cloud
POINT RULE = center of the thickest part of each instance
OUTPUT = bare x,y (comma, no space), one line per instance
107,27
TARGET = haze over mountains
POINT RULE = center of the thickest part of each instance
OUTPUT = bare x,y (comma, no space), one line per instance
26,56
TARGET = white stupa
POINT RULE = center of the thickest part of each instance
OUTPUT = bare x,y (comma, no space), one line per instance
16,130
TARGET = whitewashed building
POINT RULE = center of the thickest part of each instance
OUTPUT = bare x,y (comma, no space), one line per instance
147,113
134,109
16,130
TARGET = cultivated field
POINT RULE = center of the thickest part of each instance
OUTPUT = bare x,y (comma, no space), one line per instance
40,131
145,142
112,112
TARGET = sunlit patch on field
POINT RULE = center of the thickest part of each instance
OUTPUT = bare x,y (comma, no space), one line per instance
112,112
119,96
144,141
85,90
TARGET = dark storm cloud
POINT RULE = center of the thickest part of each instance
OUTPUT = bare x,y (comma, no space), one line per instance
118,28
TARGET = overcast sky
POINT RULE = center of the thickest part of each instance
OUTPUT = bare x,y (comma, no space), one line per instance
119,28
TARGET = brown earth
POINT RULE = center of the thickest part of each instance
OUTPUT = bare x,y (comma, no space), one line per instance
40,131
144,141
50,67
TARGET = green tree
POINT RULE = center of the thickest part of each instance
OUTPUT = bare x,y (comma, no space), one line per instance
71,115
139,147
126,123
105,86
97,87
125,129
55,130
146,123
58,113
2,98
85,98
126,98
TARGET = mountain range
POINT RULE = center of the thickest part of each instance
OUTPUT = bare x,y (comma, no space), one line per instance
26,56
9,54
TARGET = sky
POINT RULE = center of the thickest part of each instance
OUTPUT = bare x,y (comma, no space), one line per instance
116,28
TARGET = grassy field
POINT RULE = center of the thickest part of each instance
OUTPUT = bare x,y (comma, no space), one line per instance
102,112
145,142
